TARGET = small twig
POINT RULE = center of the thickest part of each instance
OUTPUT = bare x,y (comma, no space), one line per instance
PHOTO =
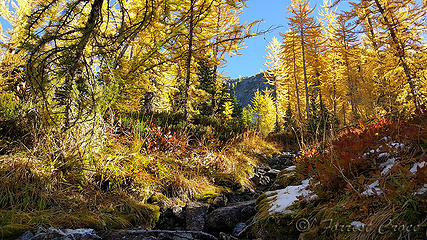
347,180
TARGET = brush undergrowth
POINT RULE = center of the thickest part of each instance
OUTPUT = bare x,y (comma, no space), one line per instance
375,175
119,173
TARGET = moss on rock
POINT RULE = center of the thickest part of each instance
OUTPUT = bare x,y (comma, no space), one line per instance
157,197
207,196
12,231
286,178
273,225
146,215
120,221
276,225
229,180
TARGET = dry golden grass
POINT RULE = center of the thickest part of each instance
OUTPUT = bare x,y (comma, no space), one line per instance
108,183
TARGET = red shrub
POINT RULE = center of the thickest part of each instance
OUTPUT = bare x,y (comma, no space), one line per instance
357,153
162,139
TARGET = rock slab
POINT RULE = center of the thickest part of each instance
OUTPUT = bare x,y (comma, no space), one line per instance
226,218
195,217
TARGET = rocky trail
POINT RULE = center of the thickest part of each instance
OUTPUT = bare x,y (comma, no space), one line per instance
230,216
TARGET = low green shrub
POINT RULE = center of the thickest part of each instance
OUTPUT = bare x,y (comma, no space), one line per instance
10,106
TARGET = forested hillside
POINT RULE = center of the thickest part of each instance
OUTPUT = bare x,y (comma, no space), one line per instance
117,121
244,88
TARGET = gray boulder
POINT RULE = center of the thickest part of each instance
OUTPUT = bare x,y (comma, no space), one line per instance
225,219
195,216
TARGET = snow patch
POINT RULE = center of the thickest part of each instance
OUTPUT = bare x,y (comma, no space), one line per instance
357,224
284,198
397,145
384,154
291,168
372,188
387,165
81,233
422,190
312,197
414,168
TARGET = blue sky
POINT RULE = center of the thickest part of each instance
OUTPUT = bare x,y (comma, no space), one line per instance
252,58
274,14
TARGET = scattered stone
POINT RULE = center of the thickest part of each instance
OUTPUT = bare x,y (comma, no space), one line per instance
282,160
272,174
150,238
227,180
58,234
261,180
196,216
247,231
262,176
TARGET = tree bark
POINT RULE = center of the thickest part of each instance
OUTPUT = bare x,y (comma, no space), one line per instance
189,56
276,103
307,101
296,80
213,100
148,102
88,30
216,50
335,99
400,52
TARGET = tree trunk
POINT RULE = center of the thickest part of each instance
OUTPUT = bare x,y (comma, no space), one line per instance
350,83
307,101
352,101
87,31
344,112
148,103
189,56
276,103
322,110
296,80
401,53
335,99
214,90
216,50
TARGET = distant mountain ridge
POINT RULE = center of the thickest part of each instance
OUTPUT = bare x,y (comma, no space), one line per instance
246,87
